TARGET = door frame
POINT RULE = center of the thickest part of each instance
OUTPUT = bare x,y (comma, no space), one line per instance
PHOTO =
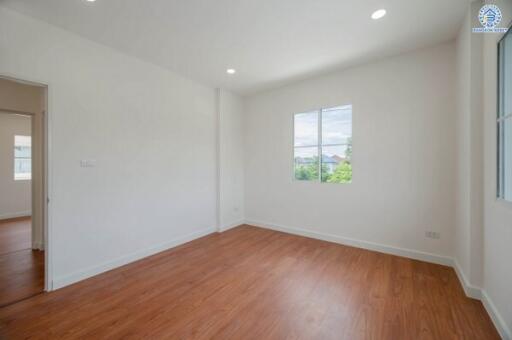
47,171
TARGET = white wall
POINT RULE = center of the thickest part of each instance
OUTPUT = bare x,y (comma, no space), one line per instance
462,225
484,224
498,214
231,169
15,196
469,224
403,154
151,133
162,170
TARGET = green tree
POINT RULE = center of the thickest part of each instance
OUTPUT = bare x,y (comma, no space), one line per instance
342,174
307,172
326,175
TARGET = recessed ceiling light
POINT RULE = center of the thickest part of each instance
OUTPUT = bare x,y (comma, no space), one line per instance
378,14
230,71
90,0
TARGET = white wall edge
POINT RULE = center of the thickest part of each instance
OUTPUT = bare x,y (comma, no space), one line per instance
496,317
231,225
409,253
67,280
470,290
15,215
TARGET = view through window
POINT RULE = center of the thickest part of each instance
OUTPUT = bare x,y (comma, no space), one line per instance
22,157
323,145
504,119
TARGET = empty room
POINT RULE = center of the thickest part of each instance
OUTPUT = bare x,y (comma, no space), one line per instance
292,169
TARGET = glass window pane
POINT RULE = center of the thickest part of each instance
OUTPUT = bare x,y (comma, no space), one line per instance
22,168
501,61
22,141
507,159
306,129
306,164
336,164
22,152
22,157
506,63
337,125
500,158
22,165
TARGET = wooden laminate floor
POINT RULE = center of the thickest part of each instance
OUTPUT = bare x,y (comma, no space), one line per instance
251,283
21,268
15,234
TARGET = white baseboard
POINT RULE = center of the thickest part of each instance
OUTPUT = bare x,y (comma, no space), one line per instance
496,318
470,290
37,246
231,225
15,215
409,253
66,280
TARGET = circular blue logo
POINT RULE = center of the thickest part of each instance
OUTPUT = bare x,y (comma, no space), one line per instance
490,16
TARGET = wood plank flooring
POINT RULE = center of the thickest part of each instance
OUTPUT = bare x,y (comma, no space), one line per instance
21,268
15,234
251,283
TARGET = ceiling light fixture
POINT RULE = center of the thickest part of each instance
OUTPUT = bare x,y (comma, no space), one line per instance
378,14
230,71
90,0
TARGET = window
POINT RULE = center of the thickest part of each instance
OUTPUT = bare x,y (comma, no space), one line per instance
22,157
323,145
504,119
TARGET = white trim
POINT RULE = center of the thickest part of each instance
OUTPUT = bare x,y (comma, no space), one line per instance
38,246
218,159
470,290
382,248
496,318
231,226
15,215
47,171
62,281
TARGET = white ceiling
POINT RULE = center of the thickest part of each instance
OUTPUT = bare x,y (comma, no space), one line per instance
269,42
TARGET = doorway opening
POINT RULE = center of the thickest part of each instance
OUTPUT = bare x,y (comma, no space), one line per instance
23,227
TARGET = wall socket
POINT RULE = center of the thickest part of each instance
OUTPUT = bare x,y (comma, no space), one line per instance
87,163
433,234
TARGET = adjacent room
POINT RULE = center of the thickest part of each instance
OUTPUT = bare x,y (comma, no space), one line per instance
21,200
292,169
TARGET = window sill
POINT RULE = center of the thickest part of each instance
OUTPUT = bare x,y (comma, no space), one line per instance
504,202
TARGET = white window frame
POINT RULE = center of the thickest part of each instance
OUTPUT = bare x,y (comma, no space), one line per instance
319,144
502,118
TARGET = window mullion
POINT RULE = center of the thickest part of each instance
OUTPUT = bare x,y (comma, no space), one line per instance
320,145
340,144
305,146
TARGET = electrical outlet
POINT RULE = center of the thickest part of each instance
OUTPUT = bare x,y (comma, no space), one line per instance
88,163
433,234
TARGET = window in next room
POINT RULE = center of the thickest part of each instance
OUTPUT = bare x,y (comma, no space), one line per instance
22,158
